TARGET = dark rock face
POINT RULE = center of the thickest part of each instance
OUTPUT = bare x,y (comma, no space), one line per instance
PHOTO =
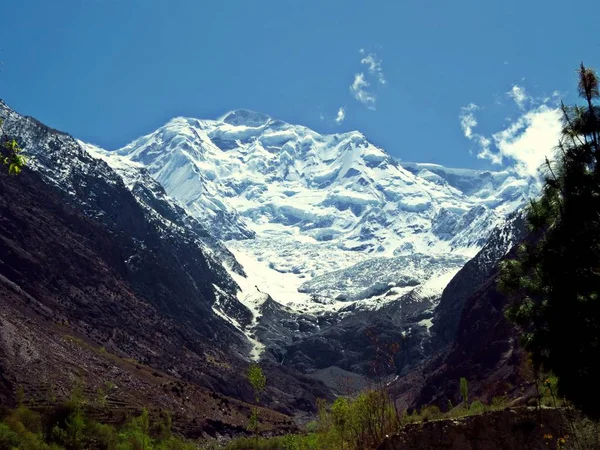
341,340
486,352
485,349
499,430
470,336
468,280
120,268
351,341
164,262
69,270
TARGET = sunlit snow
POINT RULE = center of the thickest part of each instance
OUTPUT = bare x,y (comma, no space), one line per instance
321,221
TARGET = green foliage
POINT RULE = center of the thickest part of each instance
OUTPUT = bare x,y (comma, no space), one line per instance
136,434
358,423
476,408
361,422
26,418
162,429
10,153
464,392
74,430
290,442
8,438
25,429
105,437
258,381
431,412
499,403
583,434
549,392
555,278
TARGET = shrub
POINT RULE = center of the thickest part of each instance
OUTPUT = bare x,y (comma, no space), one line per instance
104,437
501,402
357,423
430,412
477,408
8,438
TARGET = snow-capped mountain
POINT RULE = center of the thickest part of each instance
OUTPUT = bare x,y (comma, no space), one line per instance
268,240
168,255
320,220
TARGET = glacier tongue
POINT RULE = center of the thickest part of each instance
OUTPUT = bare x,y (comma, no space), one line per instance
318,221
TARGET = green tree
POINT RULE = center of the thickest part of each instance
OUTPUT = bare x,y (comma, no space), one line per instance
10,153
258,381
555,278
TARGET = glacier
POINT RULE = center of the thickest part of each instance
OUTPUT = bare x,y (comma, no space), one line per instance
320,223
297,207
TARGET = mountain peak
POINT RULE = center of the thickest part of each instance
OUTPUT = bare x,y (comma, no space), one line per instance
245,117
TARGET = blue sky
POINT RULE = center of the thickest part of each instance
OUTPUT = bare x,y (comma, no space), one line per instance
108,71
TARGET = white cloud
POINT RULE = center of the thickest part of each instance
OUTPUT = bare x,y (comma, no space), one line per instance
518,94
360,93
529,140
468,120
359,86
524,143
374,65
341,115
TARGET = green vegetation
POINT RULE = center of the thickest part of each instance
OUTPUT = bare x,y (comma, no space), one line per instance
258,381
289,442
360,423
555,278
10,153
68,428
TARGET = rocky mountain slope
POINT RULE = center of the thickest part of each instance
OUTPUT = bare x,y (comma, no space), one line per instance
250,238
471,336
69,317
332,233
151,237
118,265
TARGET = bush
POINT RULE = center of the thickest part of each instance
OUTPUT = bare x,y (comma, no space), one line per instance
23,418
22,429
104,436
360,423
8,438
431,412
499,403
67,427
477,408
290,442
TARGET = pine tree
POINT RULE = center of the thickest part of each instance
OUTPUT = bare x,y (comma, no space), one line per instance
555,279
